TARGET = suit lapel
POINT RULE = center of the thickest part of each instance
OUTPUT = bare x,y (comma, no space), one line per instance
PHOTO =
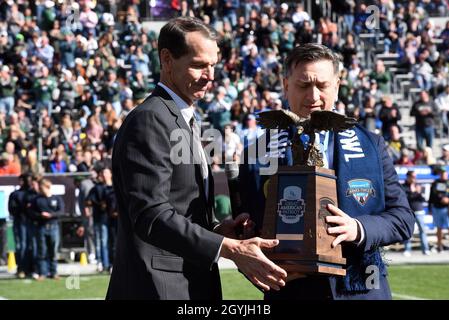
174,110
180,122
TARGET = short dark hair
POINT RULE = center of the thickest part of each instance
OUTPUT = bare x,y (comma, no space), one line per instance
410,173
311,52
173,35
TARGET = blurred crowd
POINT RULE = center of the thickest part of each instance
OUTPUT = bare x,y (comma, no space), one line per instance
67,80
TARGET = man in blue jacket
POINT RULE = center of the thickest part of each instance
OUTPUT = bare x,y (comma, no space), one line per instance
46,209
373,209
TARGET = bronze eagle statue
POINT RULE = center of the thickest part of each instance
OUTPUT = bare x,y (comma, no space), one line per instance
306,153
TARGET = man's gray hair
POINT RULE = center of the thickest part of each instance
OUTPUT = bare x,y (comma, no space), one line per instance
311,52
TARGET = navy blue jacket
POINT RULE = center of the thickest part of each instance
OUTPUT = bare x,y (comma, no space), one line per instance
393,225
17,205
100,198
53,205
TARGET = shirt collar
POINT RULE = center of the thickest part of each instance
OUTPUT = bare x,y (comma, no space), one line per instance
186,110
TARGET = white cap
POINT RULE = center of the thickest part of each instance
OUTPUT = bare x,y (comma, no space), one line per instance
446,147
284,6
49,4
108,19
67,72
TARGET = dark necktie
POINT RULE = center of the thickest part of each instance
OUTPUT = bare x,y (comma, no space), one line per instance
198,152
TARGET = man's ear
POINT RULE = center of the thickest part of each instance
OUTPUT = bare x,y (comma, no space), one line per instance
337,87
285,87
166,59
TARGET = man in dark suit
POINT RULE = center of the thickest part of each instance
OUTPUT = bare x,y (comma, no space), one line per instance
168,238
373,209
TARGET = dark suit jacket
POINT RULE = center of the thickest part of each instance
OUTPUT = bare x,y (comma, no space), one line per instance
165,247
393,225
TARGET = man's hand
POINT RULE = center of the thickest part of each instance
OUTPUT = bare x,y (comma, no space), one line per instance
445,200
250,260
347,229
46,215
239,228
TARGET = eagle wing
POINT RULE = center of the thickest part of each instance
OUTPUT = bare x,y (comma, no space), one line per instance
278,119
329,120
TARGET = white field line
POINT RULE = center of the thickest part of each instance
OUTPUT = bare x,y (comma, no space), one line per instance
406,297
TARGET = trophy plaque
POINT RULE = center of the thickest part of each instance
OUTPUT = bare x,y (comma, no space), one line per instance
297,197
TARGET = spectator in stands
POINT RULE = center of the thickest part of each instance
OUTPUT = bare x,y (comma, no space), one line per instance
67,50
382,76
140,62
438,205
252,63
390,115
219,109
43,90
94,130
349,50
444,159
424,110
88,18
229,9
300,16
67,91
231,145
47,208
305,34
9,165
368,115
140,87
406,158
7,89
45,52
32,164
422,72
416,201
111,91
395,143
425,157
58,164
250,131
442,104
24,122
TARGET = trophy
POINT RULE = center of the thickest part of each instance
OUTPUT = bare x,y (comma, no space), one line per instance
297,197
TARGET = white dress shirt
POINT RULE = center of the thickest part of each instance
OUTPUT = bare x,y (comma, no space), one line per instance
187,113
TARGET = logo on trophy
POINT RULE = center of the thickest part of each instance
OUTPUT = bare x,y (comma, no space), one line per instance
298,195
291,206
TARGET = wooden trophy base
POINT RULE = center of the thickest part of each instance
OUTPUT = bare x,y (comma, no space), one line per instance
295,214
319,264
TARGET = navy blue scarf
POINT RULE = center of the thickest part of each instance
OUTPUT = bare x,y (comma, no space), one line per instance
360,190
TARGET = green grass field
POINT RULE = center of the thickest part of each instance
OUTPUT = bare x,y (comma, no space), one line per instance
407,282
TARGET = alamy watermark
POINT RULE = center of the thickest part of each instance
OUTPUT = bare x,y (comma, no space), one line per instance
72,282
373,20
373,280
257,150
